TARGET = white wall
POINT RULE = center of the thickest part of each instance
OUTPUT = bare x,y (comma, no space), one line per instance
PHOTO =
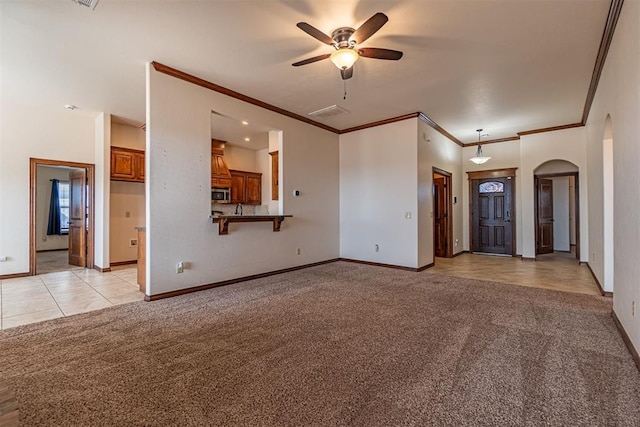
33,131
263,163
435,150
561,233
536,149
572,210
178,192
618,94
607,213
43,200
378,185
503,155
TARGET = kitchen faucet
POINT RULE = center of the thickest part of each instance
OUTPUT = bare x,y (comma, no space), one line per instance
239,207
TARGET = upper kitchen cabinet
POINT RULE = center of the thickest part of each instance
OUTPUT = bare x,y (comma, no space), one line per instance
220,176
127,164
246,187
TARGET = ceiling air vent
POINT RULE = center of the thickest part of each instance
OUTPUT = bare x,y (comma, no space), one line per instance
330,111
88,3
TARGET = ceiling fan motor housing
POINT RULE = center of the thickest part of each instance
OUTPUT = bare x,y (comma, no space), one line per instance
342,35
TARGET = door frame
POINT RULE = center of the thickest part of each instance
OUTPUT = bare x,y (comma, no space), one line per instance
33,184
576,220
494,173
449,206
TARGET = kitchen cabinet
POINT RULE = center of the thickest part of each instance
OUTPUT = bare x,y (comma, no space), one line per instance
127,164
274,175
246,187
219,171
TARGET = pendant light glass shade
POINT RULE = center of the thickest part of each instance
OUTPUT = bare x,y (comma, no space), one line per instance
479,158
344,58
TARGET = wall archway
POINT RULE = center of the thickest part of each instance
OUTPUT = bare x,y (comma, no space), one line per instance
608,203
557,207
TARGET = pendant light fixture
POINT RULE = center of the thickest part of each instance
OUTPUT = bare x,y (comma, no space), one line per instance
479,158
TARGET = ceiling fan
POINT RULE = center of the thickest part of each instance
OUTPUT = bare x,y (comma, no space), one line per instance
345,41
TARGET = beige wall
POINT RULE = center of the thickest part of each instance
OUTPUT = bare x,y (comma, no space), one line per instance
38,131
618,95
178,192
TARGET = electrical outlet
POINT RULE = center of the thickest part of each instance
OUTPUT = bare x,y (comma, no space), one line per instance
44,238
127,214
298,252
133,242
456,243
376,247
180,267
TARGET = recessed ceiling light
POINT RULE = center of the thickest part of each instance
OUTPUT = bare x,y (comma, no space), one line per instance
247,139
244,122
70,107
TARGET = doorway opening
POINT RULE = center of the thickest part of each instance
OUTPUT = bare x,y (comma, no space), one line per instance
557,206
493,214
61,215
442,220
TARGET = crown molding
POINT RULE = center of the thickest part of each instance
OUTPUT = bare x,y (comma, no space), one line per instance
380,123
440,129
605,43
173,72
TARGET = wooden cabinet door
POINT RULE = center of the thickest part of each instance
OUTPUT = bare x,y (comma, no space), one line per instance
274,176
254,189
139,157
123,165
238,187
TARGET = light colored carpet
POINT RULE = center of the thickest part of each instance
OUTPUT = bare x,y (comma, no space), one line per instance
338,344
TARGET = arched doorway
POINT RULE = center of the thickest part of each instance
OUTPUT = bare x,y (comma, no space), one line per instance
557,224
607,199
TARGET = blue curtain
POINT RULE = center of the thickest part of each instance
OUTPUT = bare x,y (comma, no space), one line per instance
54,226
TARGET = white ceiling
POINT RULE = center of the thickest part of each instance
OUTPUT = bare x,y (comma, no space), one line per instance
506,66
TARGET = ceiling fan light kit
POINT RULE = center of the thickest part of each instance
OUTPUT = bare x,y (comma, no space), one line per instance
344,40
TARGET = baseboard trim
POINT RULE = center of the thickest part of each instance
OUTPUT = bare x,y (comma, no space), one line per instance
102,270
526,258
14,275
233,281
626,339
600,288
459,253
117,263
378,264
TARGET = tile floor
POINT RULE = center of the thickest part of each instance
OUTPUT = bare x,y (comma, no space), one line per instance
559,271
64,293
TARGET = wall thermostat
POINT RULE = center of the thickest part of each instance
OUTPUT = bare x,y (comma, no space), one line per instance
296,193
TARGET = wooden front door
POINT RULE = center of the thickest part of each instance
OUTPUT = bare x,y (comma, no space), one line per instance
492,215
78,218
544,192
440,217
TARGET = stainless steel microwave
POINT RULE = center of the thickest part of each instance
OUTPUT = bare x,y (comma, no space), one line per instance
221,195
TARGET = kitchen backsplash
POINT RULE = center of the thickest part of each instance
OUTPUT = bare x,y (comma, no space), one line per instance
230,209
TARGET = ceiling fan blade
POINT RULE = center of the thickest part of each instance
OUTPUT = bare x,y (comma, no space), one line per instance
369,28
311,60
346,74
377,53
315,33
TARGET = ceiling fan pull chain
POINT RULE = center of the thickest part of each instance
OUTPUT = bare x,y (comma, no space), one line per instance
345,89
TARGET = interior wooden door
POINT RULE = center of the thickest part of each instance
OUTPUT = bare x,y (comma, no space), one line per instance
78,218
544,189
492,216
440,226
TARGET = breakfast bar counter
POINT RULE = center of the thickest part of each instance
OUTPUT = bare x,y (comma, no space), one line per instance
224,220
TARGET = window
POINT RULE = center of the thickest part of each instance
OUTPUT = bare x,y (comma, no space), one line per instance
63,200
491,187
59,208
